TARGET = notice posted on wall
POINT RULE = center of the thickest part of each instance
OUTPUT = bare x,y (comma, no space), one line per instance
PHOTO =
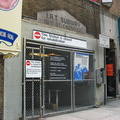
81,66
59,68
33,69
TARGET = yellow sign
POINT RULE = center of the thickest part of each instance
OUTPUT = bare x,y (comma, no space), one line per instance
10,26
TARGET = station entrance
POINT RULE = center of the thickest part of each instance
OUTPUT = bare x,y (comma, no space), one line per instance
56,79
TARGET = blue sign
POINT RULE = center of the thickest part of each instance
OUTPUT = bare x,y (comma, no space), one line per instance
7,37
81,66
79,71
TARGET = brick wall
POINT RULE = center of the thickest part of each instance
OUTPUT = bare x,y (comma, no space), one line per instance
85,11
1,85
115,8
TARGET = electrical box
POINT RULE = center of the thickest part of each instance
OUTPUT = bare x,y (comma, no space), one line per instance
99,76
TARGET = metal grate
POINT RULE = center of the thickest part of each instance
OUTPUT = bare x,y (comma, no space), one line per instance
32,84
57,81
56,89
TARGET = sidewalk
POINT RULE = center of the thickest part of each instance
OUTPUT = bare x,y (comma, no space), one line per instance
111,111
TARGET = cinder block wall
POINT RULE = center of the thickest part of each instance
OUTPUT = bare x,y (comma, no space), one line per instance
1,85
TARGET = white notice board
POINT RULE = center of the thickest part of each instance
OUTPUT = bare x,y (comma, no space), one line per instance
107,1
33,69
104,41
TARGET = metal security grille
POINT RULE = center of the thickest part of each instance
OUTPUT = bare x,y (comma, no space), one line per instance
32,95
58,81
84,90
51,84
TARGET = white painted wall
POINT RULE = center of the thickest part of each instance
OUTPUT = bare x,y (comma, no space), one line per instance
13,88
13,68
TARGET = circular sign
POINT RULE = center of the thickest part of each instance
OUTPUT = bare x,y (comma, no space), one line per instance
37,35
28,63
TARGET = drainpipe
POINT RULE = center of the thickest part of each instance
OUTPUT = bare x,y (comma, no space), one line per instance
119,29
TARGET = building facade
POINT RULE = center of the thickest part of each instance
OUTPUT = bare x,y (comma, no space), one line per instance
57,87
109,27
62,66
60,19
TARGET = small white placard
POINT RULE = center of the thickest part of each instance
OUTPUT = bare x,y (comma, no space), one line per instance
107,1
104,41
33,69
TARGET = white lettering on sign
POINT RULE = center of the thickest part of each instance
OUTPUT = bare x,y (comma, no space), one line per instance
2,34
10,36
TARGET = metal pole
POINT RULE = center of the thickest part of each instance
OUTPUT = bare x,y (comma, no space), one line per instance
24,75
33,87
94,59
42,87
104,77
72,82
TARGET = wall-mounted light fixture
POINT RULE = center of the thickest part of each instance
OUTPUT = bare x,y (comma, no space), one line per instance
39,54
44,55
107,3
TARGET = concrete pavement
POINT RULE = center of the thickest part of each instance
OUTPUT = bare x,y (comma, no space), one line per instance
111,111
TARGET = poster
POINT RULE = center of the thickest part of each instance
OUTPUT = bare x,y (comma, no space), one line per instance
57,65
33,69
81,66
58,68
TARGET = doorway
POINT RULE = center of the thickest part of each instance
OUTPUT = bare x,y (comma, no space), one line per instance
111,70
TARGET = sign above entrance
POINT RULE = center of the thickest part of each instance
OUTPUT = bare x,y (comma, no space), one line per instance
59,39
61,19
104,41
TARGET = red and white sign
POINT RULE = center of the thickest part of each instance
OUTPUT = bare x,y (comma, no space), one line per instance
33,69
58,39
37,35
28,63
